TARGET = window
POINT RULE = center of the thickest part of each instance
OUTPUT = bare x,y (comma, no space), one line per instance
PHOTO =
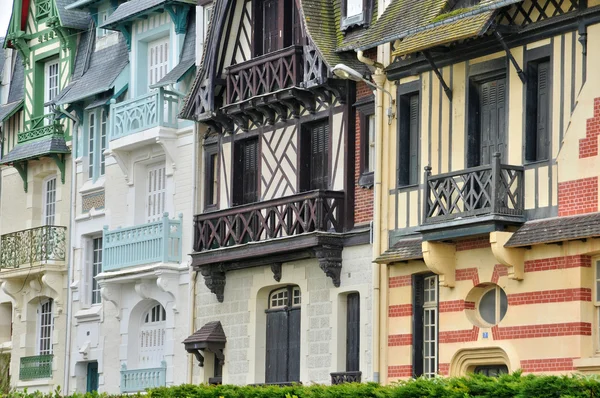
537,130
157,190
91,144
353,333
425,325
245,172
493,305
211,167
283,336
408,140
366,117
276,25
207,16
45,327
315,156
96,269
353,13
158,60
97,124
49,201
51,83
102,17
152,337
491,370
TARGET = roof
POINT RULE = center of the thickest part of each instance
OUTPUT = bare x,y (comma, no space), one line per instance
403,250
212,332
17,82
73,19
100,73
557,229
35,149
7,110
81,4
133,8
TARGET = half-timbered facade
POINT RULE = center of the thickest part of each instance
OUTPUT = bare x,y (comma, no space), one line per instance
281,236
487,230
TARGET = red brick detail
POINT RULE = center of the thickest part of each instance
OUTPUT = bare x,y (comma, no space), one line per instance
547,365
588,146
499,270
550,296
452,306
400,281
474,243
546,330
466,274
578,197
395,340
400,371
444,369
469,305
548,264
397,311
363,198
459,336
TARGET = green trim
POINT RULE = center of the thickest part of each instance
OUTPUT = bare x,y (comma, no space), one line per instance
178,13
126,32
39,46
15,110
59,159
21,167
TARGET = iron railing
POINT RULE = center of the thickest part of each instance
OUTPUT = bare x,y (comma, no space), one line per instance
154,242
33,246
42,126
292,215
136,380
265,74
494,189
346,377
36,367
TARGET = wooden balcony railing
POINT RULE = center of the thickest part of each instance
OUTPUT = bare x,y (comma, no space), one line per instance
346,377
42,126
43,9
494,189
139,380
265,74
33,246
37,367
277,218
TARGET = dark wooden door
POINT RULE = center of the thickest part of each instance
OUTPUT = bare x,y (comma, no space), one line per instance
270,26
92,377
353,333
283,345
493,120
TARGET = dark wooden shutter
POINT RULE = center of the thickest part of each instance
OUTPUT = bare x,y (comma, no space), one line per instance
293,363
417,329
270,26
277,346
245,172
315,162
408,140
493,115
414,140
543,111
353,333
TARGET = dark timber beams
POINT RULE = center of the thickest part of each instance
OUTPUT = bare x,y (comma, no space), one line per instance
510,57
447,89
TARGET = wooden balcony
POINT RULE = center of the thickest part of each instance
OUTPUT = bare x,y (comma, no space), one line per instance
473,198
42,126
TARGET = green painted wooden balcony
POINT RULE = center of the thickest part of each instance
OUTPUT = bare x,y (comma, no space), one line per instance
36,367
156,242
137,380
42,126
33,246
158,108
43,9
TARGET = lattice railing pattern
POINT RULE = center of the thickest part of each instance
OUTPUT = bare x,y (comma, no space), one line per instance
43,9
157,108
262,221
42,126
137,380
265,74
346,377
37,367
495,189
531,11
154,242
33,246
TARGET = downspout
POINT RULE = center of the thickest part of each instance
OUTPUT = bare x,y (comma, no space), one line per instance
70,266
192,274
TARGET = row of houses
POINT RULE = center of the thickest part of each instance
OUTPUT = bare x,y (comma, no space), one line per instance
314,191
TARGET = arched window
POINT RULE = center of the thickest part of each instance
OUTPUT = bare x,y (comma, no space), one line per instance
152,337
283,335
45,327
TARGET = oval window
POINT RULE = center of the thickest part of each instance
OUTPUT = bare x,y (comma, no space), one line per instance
493,305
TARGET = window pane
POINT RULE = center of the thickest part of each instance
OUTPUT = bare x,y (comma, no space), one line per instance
487,307
503,304
91,144
103,125
96,269
371,142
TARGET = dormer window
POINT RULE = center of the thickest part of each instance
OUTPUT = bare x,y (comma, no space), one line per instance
353,13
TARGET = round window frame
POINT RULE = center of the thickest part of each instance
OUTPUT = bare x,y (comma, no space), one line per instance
497,310
475,296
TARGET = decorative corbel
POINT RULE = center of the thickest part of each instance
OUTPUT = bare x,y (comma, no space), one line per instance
143,288
214,278
178,14
13,289
241,121
21,167
198,356
55,282
112,293
59,159
512,258
169,283
18,41
169,145
123,159
276,268
440,259
126,32
330,261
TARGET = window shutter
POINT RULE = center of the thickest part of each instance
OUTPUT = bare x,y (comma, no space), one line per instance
271,26
319,156
353,333
543,107
417,329
277,347
499,139
156,193
414,140
250,173
293,362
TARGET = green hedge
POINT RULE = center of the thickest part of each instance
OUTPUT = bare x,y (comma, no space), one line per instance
514,385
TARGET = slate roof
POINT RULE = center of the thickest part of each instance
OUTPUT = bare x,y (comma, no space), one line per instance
35,149
81,4
403,250
557,229
73,19
135,7
187,58
2,57
17,82
8,109
212,332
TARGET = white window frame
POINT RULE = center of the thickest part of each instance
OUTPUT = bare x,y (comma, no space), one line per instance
430,320
371,143
51,82
156,194
102,17
46,204
92,139
152,335
97,124
158,59
354,13
40,327
207,14
97,247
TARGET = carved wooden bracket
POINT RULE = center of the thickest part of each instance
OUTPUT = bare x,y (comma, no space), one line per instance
214,278
440,259
330,261
276,268
512,258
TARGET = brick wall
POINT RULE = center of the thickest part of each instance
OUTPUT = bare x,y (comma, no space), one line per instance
578,196
588,146
547,365
363,198
547,264
479,242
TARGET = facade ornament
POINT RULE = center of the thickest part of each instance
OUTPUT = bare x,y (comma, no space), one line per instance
441,260
276,268
214,278
330,261
512,258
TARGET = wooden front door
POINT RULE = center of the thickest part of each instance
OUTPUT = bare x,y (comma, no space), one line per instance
92,377
493,120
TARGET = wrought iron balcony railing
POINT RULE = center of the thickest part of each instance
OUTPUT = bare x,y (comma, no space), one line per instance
36,367
155,242
157,108
494,189
33,246
43,126
293,215
137,380
346,377
265,74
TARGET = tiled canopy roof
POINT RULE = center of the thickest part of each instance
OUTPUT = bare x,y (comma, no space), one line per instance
34,149
403,250
212,332
17,82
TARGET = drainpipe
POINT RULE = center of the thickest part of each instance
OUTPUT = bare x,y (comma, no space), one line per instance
193,275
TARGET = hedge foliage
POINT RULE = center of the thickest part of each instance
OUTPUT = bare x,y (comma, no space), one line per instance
514,385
